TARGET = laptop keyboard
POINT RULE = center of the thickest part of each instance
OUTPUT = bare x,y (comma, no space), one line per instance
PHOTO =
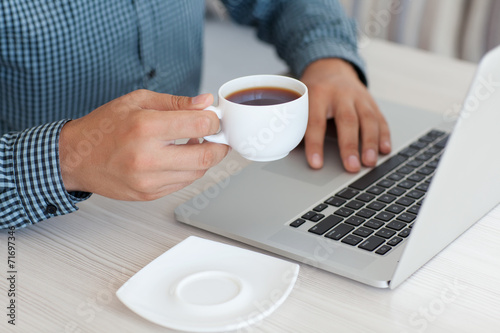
376,212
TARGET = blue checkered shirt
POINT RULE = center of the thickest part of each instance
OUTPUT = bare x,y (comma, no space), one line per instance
59,60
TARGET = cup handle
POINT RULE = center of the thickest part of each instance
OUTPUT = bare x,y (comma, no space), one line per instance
218,137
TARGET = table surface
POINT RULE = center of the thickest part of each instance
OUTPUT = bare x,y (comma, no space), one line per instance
69,268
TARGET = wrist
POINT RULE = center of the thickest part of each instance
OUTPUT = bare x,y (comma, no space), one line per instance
69,159
331,67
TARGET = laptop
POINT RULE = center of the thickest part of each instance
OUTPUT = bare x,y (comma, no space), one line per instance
381,225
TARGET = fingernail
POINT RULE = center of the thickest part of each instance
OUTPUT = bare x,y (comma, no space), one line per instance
386,145
316,161
200,99
353,162
370,156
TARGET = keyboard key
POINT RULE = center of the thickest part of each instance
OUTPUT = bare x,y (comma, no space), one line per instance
406,217
384,216
339,231
413,209
423,187
371,243
363,232
325,225
423,157
419,144
405,170
354,204
344,212
414,194
433,164
374,224
297,223
376,205
396,209
406,184
385,233
316,217
335,201
405,233
386,198
383,250
320,208
436,133
366,213
405,201
416,177
375,190
308,215
352,240
442,142
396,176
397,191
378,172
395,241
415,163
408,152
365,197
396,225
433,150
348,193
385,183
355,220
425,171
427,138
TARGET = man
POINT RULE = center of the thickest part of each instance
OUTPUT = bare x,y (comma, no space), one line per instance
120,70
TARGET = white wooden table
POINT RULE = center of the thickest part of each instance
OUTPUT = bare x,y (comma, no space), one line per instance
69,268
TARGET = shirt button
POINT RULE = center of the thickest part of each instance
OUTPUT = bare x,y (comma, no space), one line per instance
51,209
151,74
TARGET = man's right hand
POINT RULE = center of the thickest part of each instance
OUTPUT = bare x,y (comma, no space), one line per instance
125,149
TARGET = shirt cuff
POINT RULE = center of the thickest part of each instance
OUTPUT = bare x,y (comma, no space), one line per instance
37,174
321,49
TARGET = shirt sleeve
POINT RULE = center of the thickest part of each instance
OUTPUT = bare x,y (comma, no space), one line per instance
31,186
302,30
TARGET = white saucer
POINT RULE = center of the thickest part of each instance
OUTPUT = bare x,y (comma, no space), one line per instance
205,286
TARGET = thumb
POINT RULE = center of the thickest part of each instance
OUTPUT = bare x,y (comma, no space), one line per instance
166,102
147,99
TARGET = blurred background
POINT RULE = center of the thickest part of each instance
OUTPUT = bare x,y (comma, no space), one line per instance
463,29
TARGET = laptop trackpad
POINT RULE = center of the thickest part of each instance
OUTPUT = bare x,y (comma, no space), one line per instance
295,165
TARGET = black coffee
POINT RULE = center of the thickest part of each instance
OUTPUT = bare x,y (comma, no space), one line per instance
263,96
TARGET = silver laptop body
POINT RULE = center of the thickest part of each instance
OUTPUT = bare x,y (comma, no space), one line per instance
257,205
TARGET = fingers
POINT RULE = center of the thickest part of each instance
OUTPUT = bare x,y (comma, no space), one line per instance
170,125
147,99
315,131
347,123
161,171
190,157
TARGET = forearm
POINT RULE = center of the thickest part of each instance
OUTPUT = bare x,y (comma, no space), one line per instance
31,188
302,31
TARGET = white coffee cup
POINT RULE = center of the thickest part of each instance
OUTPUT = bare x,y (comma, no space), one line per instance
261,132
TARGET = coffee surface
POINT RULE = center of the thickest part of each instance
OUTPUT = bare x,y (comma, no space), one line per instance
263,96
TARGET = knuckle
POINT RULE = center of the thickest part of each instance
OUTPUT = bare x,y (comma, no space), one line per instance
139,126
203,124
138,95
199,173
207,159
177,102
143,187
347,117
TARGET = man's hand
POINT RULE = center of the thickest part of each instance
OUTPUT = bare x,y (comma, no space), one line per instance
125,149
335,91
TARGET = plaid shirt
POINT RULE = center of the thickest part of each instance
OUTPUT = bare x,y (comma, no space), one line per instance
59,60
